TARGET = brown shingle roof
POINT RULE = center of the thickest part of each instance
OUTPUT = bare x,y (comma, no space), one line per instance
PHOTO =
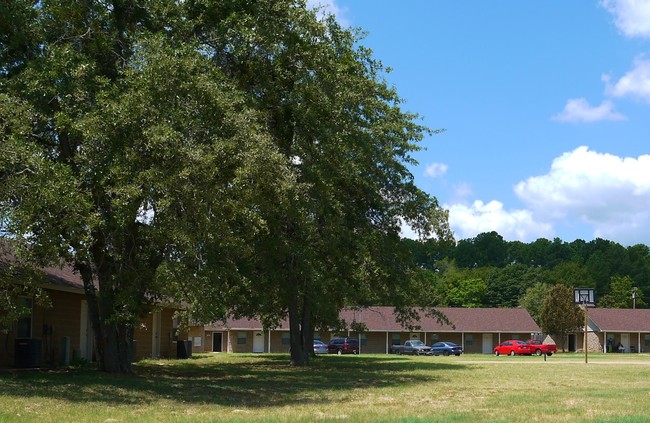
620,319
64,277
382,319
461,319
243,324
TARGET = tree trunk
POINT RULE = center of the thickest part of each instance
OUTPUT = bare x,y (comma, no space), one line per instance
307,329
113,341
116,346
298,355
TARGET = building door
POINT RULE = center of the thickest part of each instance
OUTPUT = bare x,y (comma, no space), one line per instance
572,343
217,339
86,334
487,343
258,342
625,340
155,335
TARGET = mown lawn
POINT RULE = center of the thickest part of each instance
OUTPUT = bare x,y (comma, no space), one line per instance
366,388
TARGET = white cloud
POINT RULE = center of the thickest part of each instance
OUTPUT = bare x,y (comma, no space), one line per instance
329,7
610,193
604,192
632,17
635,83
469,221
579,110
435,170
462,192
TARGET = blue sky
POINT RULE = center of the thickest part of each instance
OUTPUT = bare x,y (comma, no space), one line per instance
545,106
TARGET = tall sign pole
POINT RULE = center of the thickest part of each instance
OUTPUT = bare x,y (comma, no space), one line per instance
585,297
586,345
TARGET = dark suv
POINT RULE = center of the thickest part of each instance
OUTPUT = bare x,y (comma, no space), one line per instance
343,346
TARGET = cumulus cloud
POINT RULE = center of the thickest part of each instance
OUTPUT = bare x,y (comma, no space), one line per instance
610,193
579,110
635,83
435,170
632,17
469,221
605,192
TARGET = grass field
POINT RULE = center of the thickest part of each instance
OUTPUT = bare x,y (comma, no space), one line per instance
366,388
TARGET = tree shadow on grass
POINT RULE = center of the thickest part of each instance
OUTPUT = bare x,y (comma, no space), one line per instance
229,380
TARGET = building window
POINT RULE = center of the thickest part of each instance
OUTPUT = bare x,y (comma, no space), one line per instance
363,339
395,338
241,338
24,324
434,337
646,342
469,340
317,336
515,336
286,338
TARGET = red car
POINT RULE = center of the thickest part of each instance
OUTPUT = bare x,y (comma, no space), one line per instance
513,347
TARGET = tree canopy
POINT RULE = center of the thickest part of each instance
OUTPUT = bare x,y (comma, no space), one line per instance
621,294
560,315
243,157
594,264
533,300
20,287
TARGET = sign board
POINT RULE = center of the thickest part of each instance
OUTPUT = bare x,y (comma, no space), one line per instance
584,296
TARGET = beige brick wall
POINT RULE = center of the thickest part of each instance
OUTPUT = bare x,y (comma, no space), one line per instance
143,335
374,343
50,326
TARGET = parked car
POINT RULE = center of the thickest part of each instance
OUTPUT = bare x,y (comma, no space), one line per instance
512,347
320,347
414,346
446,348
539,348
343,346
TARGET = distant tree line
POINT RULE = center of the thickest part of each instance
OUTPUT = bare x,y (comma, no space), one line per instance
487,271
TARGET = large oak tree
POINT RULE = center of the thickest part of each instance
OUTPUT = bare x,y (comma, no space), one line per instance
123,149
339,124
245,157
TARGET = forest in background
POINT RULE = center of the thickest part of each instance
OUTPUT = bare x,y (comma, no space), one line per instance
488,271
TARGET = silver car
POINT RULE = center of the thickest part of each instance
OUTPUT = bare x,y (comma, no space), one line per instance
320,347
